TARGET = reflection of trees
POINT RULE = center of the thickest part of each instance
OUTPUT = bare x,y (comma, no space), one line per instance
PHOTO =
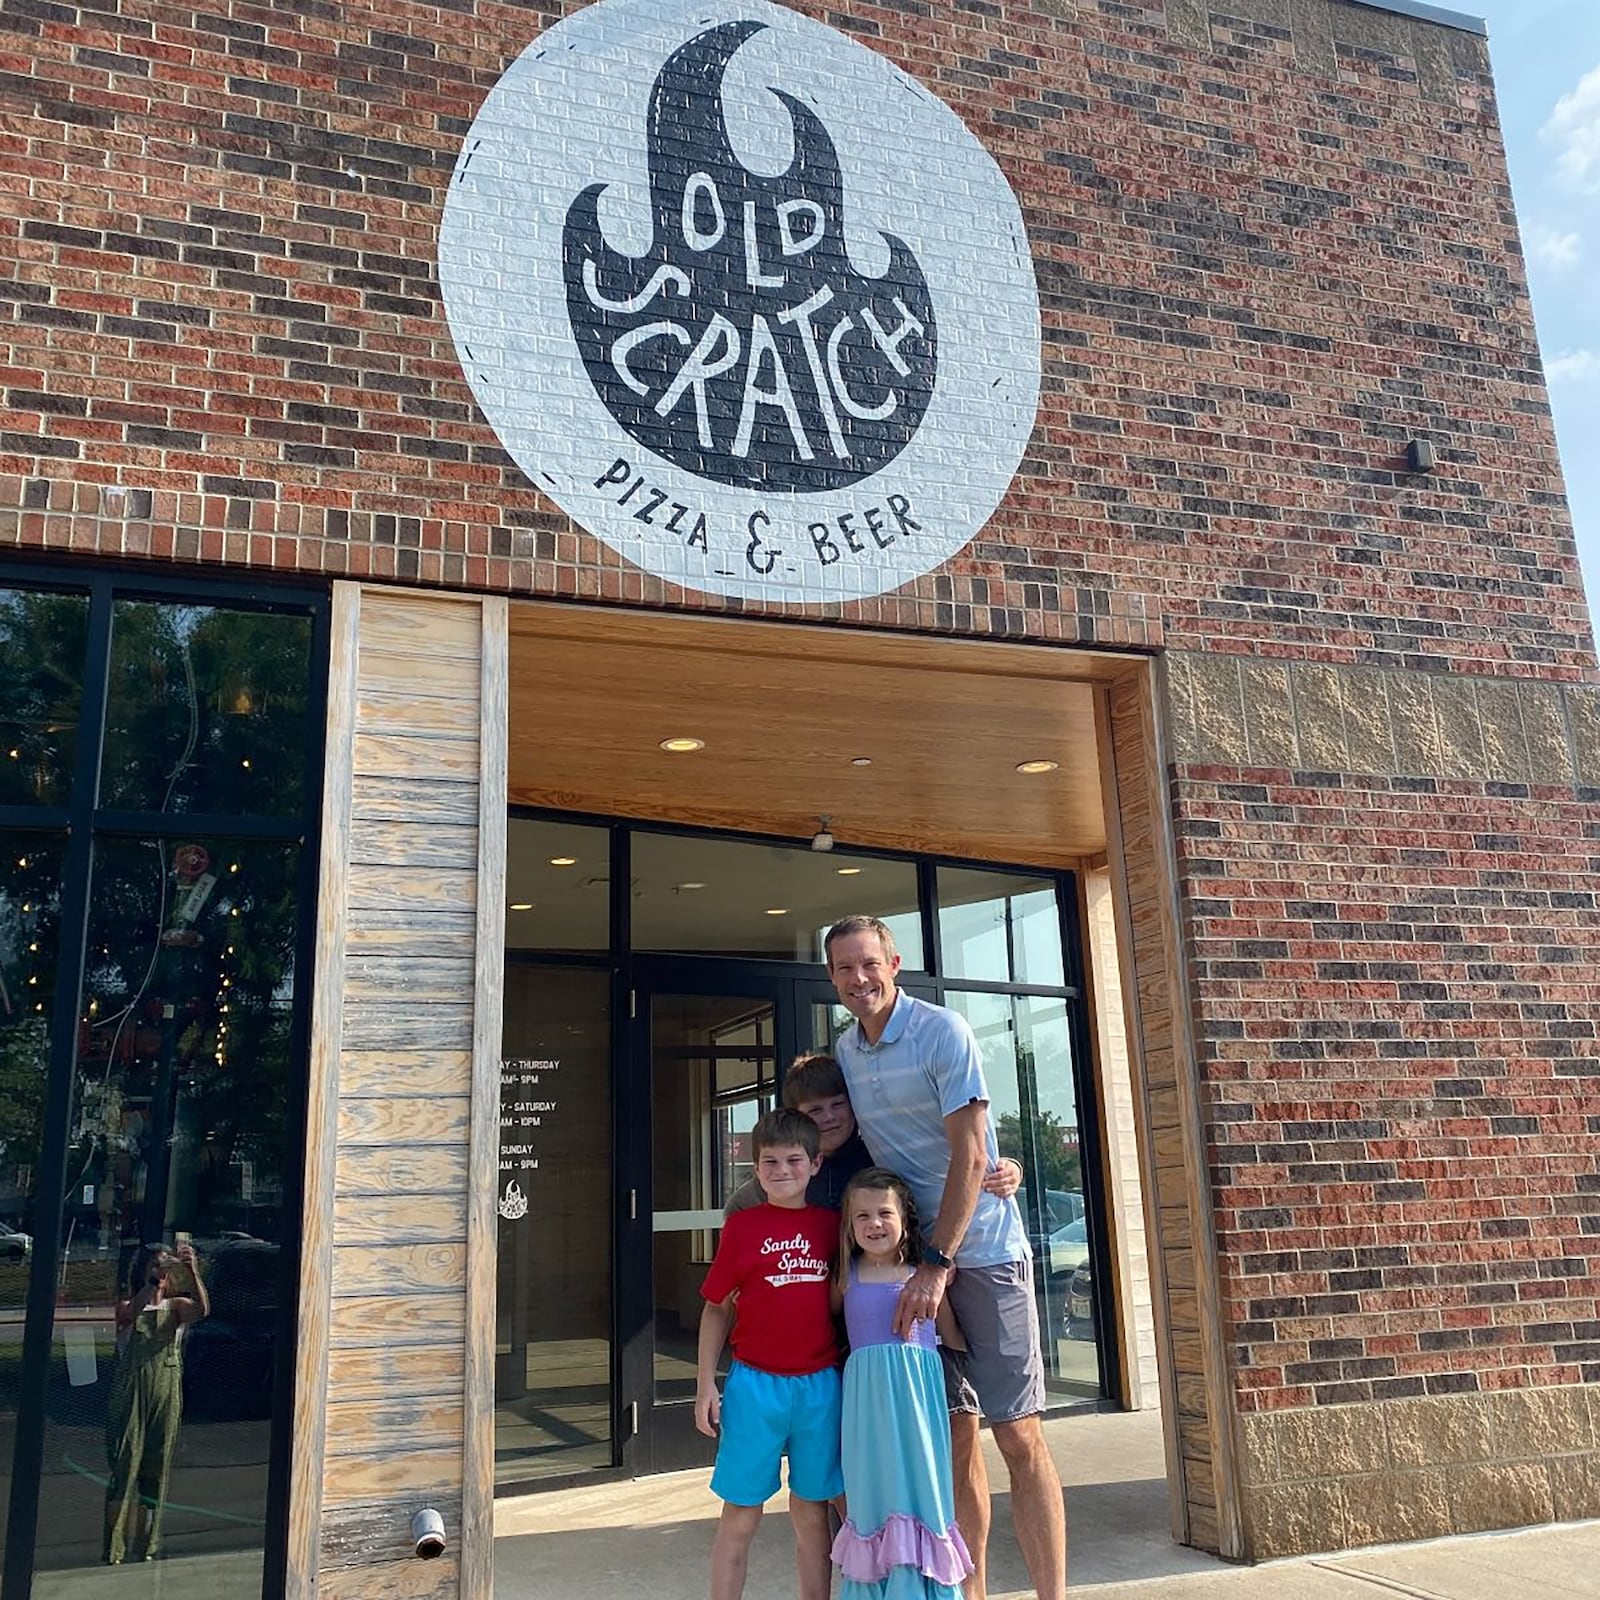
42,643
187,1056
1039,1144
206,710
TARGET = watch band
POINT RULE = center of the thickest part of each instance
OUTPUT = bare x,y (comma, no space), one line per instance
932,1253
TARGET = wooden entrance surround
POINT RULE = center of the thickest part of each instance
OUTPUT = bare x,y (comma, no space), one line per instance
443,710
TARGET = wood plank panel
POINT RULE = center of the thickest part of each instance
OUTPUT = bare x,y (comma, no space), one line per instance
375,1535
427,980
362,1320
451,678
420,1072
372,1026
595,746
407,1477
384,841
419,761
409,1580
378,1427
438,802
313,1314
399,1268
369,1170
422,628
366,1374
483,1233
394,887
403,1121
389,705
400,1218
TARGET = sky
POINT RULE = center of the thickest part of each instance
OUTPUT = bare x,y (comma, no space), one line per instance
1546,56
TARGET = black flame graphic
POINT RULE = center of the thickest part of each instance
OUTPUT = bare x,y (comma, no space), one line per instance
743,346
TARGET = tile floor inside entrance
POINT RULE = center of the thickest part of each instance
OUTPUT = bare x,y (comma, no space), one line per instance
649,1539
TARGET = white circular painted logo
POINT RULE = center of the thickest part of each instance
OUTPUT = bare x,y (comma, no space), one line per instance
747,301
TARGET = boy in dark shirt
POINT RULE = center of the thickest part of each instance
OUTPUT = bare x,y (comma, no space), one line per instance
783,1392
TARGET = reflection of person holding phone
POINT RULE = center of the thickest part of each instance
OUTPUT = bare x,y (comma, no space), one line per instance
147,1397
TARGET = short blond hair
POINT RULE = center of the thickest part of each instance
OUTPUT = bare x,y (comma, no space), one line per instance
845,926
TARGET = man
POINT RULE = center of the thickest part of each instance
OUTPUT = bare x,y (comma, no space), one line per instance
916,1083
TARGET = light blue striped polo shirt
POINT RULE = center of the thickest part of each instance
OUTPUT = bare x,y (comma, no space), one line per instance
925,1066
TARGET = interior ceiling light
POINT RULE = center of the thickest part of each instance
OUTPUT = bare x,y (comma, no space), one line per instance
860,761
822,839
682,743
1037,766
563,861
522,905
682,886
849,872
777,911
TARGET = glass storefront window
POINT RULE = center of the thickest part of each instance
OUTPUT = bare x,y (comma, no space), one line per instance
162,1367
206,710
999,927
769,902
558,886
43,638
553,1334
1026,1045
30,911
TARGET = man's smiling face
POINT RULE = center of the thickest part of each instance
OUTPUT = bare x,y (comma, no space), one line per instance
864,977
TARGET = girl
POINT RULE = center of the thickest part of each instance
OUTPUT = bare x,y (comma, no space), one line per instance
900,1541
147,1398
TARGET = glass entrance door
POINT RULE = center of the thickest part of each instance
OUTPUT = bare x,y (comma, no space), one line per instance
713,1061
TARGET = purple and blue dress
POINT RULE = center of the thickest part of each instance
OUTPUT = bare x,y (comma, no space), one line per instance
900,1541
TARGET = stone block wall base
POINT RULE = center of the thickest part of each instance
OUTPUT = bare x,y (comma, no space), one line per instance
1333,1477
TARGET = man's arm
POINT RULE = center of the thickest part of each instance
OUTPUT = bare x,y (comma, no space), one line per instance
969,1161
715,1319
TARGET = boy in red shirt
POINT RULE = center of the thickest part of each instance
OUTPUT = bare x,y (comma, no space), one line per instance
782,1393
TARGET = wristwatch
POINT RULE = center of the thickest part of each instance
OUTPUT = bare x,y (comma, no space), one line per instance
933,1254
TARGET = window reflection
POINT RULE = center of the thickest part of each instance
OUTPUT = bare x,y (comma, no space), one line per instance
999,927
164,1354
206,709
30,910
558,886
42,645
1027,1058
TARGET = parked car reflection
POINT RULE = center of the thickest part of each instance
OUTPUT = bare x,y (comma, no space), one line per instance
231,1357
14,1244
1069,1248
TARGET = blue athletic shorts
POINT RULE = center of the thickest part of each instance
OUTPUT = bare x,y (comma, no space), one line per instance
764,1418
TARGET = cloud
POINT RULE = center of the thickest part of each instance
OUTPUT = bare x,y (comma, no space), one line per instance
1574,129
1558,251
1573,366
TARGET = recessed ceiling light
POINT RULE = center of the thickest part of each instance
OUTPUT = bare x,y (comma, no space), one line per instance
860,761
683,743
849,872
777,911
563,861
522,905
688,886
1037,766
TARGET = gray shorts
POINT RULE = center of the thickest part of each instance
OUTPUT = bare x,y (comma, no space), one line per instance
1001,1372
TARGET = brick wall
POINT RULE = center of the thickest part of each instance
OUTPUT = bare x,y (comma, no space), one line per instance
1269,252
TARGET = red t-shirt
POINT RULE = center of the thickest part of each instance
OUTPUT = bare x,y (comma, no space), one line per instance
781,1262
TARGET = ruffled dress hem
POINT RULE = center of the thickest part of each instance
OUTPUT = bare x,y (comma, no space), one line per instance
902,1541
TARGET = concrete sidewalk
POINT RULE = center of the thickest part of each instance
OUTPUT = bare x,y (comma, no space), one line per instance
649,1540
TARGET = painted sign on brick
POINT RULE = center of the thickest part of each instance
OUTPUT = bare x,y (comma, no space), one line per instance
747,301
